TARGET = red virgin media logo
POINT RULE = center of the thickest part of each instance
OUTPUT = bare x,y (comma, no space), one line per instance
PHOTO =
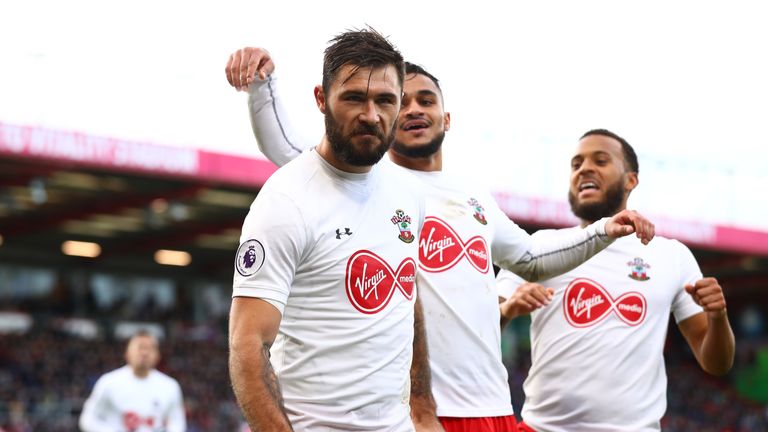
440,248
586,303
371,282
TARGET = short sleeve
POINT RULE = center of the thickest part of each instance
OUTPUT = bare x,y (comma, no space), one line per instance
271,245
683,306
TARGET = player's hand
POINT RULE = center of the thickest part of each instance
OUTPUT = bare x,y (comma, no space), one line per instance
527,298
708,294
627,222
244,65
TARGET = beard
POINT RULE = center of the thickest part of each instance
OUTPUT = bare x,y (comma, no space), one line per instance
421,151
345,150
609,206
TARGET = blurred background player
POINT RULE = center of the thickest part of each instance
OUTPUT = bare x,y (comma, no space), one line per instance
135,397
464,234
598,331
324,286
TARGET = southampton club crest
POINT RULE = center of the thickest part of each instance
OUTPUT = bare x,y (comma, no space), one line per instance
638,267
479,211
403,222
250,257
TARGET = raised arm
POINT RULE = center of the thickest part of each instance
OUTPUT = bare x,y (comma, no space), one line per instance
252,69
536,258
709,333
253,326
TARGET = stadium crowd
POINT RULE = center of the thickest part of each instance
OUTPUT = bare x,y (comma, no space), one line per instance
45,376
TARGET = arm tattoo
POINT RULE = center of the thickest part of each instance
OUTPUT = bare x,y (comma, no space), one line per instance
270,379
420,374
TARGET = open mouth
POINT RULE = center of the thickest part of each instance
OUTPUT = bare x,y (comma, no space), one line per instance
411,125
588,185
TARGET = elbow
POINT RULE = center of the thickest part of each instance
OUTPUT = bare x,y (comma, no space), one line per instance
719,369
719,365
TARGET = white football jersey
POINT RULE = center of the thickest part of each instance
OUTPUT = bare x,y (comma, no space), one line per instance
464,234
336,253
457,289
597,348
121,401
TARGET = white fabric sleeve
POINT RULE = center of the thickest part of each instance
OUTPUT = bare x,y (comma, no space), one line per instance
276,232
95,407
176,417
271,126
507,283
683,305
536,258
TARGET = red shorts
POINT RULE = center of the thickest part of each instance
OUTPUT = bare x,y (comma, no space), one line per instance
522,427
479,424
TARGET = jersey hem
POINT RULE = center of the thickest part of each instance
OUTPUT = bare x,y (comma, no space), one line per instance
472,413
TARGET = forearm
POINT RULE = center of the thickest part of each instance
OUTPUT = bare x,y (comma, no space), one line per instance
270,123
256,386
423,405
718,346
554,255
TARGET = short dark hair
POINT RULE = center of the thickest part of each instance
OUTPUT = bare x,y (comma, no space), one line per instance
630,157
360,48
414,69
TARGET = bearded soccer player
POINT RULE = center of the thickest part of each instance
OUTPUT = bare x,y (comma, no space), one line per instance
464,234
598,331
323,317
135,397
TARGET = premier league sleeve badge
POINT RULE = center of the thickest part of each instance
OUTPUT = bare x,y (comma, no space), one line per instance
249,258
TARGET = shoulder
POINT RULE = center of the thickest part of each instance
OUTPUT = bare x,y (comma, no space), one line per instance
659,245
114,377
294,176
164,379
402,179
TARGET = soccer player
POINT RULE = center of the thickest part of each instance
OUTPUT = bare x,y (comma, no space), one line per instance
464,234
136,397
323,322
597,335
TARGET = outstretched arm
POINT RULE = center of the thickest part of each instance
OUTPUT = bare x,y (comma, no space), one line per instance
537,258
252,69
709,333
253,327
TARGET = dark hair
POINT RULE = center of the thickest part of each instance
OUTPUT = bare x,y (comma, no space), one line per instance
630,157
414,69
360,48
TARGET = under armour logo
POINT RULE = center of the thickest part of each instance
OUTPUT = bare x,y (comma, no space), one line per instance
339,233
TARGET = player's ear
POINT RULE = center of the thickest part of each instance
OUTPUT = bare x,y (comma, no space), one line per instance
447,121
320,98
631,181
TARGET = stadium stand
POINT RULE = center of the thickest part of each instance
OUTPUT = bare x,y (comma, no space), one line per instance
63,317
